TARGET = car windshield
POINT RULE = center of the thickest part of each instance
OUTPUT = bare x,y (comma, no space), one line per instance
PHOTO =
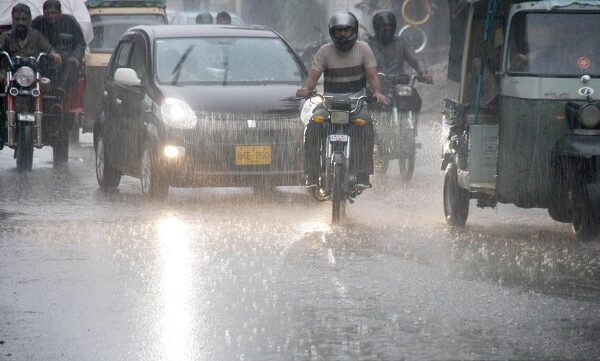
554,44
225,60
108,29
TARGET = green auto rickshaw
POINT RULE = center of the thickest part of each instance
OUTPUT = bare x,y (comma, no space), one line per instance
525,125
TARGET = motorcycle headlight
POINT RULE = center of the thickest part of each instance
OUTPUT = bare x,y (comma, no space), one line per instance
589,116
25,76
403,90
177,114
308,109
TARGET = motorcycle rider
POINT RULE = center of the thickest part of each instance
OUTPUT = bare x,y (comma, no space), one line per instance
223,18
65,35
204,18
23,41
346,64
393,51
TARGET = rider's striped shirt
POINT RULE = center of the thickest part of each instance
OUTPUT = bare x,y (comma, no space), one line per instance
344,71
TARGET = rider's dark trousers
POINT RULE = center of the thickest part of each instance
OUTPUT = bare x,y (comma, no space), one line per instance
361,145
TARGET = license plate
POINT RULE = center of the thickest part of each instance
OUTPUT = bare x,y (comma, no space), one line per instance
26,117
338,138
340,117
253,155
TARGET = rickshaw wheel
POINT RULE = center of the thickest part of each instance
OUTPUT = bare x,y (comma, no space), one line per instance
60,150
74,136
456,199
585,215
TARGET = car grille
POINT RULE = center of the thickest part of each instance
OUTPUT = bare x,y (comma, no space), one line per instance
219,134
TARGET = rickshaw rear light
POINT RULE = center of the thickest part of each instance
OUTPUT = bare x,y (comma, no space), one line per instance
589,116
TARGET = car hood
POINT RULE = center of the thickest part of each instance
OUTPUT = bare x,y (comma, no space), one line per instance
254,99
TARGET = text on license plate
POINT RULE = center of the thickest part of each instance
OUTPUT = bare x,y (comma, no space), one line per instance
253,155
338,137
26,117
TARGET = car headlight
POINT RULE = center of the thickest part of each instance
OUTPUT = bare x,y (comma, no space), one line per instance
589,116
403,90
308,109
177,114
25,76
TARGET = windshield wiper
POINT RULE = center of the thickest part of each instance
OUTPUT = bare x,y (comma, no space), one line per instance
177,69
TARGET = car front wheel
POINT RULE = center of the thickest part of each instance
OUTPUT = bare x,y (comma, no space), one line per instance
107,176
153,183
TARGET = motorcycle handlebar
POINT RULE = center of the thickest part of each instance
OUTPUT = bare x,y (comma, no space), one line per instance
359,100
10,62
41,56
398,78
7,56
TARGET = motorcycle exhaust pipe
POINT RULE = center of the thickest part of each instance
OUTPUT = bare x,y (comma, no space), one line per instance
11,117
37,124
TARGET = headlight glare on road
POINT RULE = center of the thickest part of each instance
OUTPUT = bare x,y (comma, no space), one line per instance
25,76
177,114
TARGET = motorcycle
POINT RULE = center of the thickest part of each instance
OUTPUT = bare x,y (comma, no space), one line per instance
395,123
336,182
28,121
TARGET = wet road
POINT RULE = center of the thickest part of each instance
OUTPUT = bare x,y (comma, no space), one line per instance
233,274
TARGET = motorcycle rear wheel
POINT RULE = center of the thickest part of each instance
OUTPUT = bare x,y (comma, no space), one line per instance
24,151
406,161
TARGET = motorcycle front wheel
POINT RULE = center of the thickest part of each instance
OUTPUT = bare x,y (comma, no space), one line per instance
24,151
337,193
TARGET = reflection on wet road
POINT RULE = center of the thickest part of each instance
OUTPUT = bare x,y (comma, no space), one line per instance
234,274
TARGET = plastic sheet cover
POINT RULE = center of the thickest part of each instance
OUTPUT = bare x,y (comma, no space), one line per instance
76,8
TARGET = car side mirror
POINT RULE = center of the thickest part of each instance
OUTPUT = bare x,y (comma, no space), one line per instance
127,76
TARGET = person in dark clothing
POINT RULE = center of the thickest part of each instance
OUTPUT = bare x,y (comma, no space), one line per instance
347,64
23,41
65,35
204,19
393,51
223,18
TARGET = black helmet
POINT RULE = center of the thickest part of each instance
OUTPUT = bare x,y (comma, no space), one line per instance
343,20
381,19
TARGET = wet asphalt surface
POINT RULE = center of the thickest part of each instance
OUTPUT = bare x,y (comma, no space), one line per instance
239,274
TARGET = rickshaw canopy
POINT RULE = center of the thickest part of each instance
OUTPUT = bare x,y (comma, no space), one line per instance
77,8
